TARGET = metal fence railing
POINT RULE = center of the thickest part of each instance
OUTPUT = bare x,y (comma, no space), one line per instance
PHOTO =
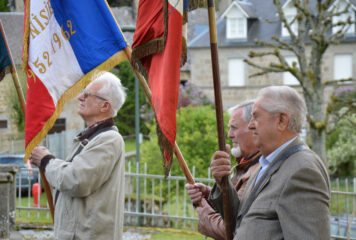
343,208
152,200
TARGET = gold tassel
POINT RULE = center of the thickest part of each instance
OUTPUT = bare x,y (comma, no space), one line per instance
148,48
165,146
183,58
165,21
185,17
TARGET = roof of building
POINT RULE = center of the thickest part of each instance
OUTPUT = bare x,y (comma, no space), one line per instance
257,27
247,8
13,26
197,20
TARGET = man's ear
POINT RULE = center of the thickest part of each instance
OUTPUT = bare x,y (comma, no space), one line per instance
283,121
105,107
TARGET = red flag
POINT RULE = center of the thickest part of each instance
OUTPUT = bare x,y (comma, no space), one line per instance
157,48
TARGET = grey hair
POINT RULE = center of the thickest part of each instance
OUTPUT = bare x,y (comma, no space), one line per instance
247,107
277,99
112,90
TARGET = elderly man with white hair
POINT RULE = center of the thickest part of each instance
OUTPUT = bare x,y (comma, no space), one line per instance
288,196
246,154
88,186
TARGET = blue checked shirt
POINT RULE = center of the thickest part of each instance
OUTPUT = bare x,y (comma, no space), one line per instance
265,161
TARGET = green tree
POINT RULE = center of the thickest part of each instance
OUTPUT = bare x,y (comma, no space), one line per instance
196,138
125,119
341,137
3,6
17,115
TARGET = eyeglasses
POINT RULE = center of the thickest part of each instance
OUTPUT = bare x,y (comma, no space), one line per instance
86,94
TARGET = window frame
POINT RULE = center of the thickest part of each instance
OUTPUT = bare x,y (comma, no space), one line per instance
232,76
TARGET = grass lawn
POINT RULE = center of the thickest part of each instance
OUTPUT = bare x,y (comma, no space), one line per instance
169,233
33,216
130,145
341,203
177,236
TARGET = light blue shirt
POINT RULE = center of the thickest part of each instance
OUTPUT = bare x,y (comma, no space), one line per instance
265,161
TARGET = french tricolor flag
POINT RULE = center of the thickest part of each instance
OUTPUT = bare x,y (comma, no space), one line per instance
66,43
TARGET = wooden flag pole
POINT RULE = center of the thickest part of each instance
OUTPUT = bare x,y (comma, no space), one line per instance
219,115
23,107
176,149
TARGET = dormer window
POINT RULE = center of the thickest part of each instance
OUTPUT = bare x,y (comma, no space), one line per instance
339,7
237,15
236,27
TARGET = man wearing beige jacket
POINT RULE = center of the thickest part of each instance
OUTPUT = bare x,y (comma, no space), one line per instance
246,154
88,186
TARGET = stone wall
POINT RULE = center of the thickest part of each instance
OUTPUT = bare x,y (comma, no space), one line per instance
201,72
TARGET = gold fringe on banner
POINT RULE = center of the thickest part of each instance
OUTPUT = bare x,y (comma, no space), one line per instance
72,92
185,17
165,20
148,48
165,147
183,58
26,36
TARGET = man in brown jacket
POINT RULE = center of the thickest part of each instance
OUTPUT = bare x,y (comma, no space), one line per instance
247,155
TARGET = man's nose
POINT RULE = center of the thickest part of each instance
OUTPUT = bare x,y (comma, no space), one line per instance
251,124
81,97
229,134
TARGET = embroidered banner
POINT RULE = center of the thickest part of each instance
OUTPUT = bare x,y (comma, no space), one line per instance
65,44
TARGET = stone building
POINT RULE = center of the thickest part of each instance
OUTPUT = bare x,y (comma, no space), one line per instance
237,27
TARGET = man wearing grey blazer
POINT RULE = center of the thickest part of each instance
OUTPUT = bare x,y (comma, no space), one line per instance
288,196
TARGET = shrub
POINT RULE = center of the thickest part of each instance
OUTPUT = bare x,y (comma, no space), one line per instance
196,138
125,119
341,138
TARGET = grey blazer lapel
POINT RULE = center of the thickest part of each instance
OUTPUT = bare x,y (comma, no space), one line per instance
249,186
255,189
265,179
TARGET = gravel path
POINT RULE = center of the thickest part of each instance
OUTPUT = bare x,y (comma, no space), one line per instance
129,234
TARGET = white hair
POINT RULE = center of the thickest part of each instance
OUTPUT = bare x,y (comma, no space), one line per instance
246,110
112,90
277,99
